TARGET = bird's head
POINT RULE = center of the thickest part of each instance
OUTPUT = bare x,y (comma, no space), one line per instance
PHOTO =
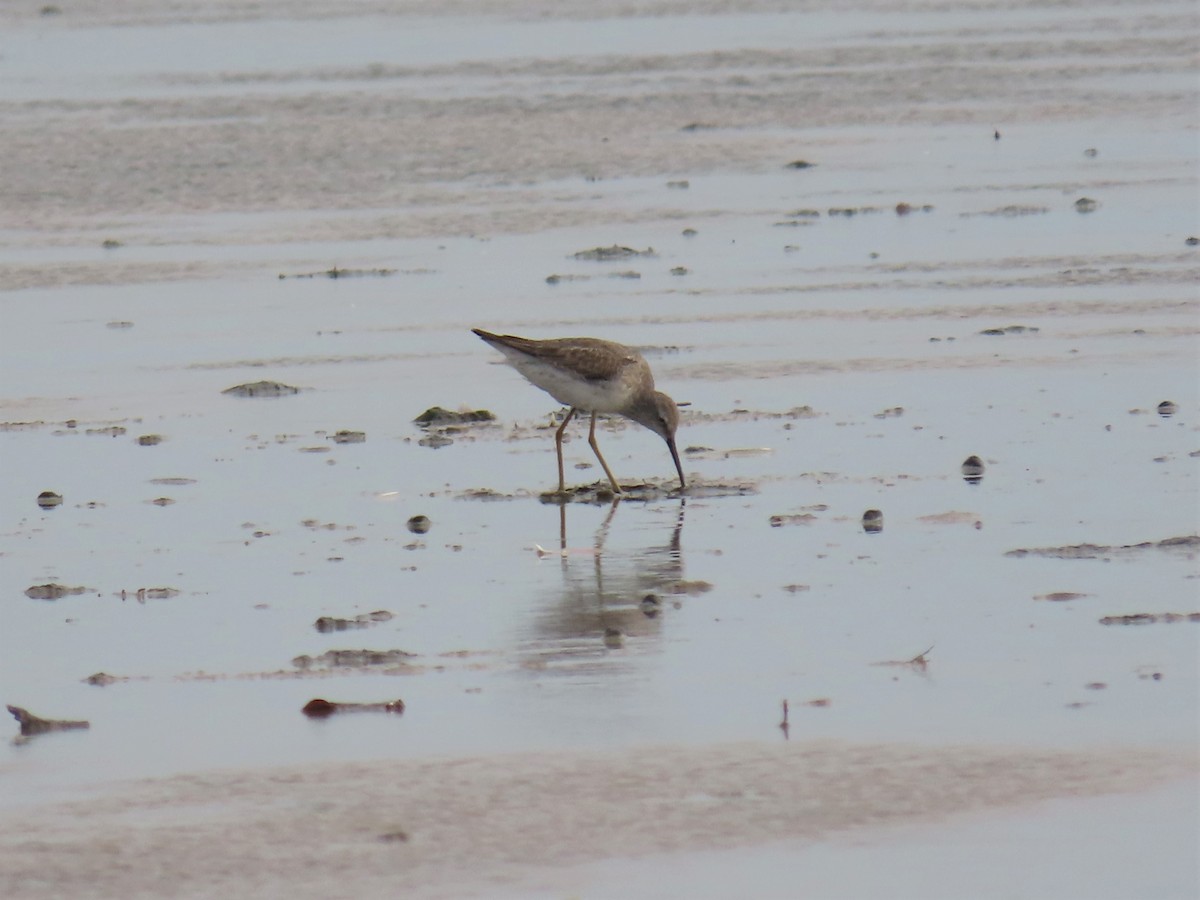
661,415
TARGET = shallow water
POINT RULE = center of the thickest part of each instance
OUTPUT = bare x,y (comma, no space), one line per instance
476,173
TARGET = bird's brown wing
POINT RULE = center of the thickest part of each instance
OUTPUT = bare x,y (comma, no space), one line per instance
591,358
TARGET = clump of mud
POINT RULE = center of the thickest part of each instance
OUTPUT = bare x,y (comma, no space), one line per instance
336,272
353,659
436,417
326,624
1189,545
1150,618
606,254
52,591
261,389
1010,329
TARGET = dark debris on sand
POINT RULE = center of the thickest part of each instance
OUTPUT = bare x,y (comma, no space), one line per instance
602,492
1188,545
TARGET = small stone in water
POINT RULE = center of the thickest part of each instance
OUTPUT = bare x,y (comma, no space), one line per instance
972,469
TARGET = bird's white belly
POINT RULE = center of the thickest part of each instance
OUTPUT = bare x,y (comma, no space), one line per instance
593,396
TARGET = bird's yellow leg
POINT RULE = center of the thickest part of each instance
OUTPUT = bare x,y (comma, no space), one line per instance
596,449
558,439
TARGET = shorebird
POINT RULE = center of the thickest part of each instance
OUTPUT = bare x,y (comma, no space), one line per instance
595,376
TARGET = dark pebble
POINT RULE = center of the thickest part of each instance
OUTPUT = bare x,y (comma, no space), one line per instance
972,470
49,499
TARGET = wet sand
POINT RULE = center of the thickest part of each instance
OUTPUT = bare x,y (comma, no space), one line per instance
500,826
870,245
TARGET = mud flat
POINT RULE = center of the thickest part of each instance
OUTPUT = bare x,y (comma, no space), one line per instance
926,279
515,825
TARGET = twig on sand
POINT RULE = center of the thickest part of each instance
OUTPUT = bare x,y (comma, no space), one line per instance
31,724
920,661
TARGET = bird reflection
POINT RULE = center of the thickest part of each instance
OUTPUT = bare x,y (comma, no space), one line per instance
609,599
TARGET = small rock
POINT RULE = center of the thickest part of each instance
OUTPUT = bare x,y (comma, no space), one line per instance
318,708
49,499
972,469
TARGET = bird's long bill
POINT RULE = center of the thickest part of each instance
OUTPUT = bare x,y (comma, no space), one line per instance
678,465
